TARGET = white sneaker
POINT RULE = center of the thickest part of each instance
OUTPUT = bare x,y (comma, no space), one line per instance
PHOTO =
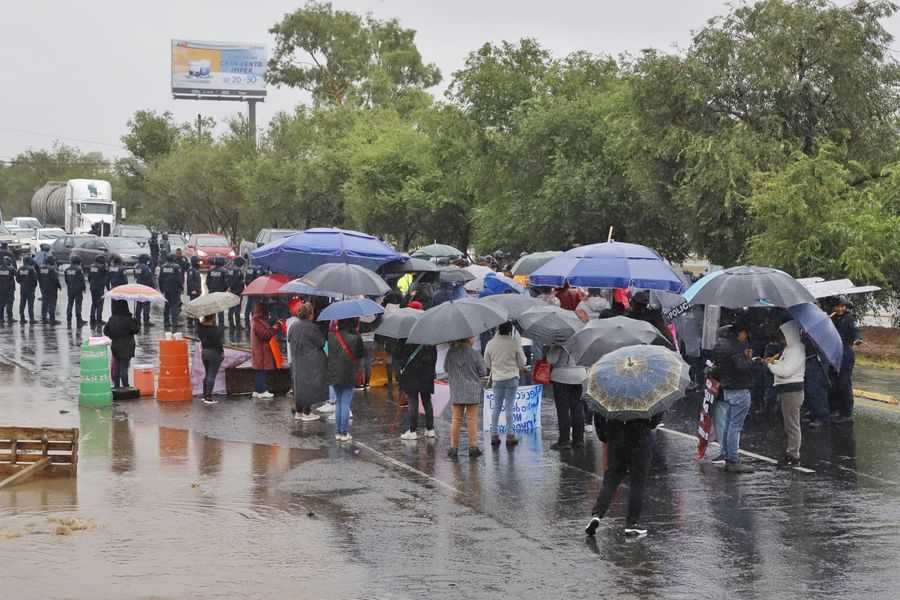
332,417
338,437
326,408
351,415
430,433
267,395
255,395
308,418
409,435
348,437
589,429
633,531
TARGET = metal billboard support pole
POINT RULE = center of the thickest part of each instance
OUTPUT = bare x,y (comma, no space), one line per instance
251,118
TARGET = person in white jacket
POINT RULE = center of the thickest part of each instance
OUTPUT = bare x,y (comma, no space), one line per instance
789,369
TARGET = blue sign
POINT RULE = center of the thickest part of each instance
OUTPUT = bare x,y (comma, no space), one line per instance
526,411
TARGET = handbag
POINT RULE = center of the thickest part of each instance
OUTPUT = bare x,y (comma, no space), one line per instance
360,376
276,352
541,372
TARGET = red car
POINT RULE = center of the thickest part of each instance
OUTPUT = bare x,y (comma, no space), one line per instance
207,245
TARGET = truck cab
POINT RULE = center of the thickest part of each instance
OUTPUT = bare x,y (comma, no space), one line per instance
89,207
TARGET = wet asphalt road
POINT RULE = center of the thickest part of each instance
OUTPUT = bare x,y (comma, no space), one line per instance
187,500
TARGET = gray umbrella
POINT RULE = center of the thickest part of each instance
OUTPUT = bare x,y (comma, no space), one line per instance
602,336
457,320
210,304
397,324
410,265
530,263
738,287
347,279
455,275
515,304
437,251
549,324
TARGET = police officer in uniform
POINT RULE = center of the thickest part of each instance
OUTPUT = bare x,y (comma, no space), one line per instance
170,284
98,278
7,288
117,274
143,275
27,277
194,283
217,281
75,287
252,273
154,250
183,262
6,252
236,287
48,279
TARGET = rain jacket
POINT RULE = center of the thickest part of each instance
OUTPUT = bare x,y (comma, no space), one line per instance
416,372
790,369
121,329
309,364
465,368
341,369
732,364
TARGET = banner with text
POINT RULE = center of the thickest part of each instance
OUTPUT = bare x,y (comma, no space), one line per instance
218,69
526,410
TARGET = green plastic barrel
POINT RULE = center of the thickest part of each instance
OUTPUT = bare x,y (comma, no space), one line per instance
96,388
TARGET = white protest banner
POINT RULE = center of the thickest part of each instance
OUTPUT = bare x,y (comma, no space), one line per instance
526,410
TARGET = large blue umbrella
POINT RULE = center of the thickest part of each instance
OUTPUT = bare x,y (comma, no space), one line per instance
821,331
302,252
495,283
350,309
609,265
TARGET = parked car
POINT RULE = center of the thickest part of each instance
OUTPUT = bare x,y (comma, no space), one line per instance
207,245
124,248
138,233
62,247
44,235
27,222
16,245
177,241
265,236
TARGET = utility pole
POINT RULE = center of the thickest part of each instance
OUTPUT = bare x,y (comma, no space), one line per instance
199,127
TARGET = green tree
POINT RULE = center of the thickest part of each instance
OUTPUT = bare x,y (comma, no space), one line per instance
151,135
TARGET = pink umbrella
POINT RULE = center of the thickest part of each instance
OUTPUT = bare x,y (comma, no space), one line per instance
135,292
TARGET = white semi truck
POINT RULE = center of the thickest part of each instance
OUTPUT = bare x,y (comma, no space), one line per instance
76,205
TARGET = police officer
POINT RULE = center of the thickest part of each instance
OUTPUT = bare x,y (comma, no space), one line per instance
41,255
170,284
194,282
48,279
75,286
143,275
117,274
183,262
236,287
7,288
98,278
27,277
6,252
154,250
251,274
217,281
165,248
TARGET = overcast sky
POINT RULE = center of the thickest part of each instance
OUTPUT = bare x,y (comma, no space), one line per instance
74,71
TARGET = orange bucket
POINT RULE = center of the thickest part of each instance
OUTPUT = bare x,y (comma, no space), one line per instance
143,380
174,372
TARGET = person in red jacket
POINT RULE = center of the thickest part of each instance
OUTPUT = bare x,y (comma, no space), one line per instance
260,353
569,298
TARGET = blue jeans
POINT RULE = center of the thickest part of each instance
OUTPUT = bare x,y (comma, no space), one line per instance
261,381
342,410
738,406
720,422
504,398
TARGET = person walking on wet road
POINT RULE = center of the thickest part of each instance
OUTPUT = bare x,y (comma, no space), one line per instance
789,369
309,364
76,284
629,446
236,287
7,289
217,281
170,284
842,391
27,278
465,371
261,355
117,275
345,353
416,380
48,279
504,358
212,354
98,279
567,379
143,275
121,329
733,359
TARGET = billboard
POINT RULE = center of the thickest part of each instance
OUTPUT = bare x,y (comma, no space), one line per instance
218,69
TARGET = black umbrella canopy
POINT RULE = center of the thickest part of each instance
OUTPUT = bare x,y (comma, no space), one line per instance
549,324
438,251
515,304
750,286
397,324
347,279
602,336
456,320
455,275
530,263
410,265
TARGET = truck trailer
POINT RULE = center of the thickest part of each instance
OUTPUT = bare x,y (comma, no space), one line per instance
78,205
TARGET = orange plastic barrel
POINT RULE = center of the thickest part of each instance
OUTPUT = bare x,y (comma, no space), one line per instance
143,380
174,372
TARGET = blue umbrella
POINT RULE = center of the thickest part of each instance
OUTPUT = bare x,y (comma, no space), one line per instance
350,309
609,265
821,331
302,252
298,287
495,283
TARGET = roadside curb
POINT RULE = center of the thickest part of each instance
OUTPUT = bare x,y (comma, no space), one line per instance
877,397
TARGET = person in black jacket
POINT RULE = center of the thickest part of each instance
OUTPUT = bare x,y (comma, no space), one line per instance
153,244
236,286
75,287
143,275
121,329
116,274
27,277
48,279
7,288
416,366
212,354
98,279
170,284
194,283
629,445
183,262
842,390
733,359
642,310
6,252
217,281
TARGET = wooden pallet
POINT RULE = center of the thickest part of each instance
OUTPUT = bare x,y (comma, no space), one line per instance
26,452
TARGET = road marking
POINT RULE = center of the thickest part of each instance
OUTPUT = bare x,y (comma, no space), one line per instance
406,467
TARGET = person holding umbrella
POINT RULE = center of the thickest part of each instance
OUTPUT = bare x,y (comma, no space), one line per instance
842,391
789,368
465,371
567,378
733,359
345,350
212,353
416,363
121,329
309,364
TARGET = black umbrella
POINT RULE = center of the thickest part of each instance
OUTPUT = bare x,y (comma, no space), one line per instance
530,263
457,320
410,265
602,336
740,287
396,325
549,324
347,279
454,275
